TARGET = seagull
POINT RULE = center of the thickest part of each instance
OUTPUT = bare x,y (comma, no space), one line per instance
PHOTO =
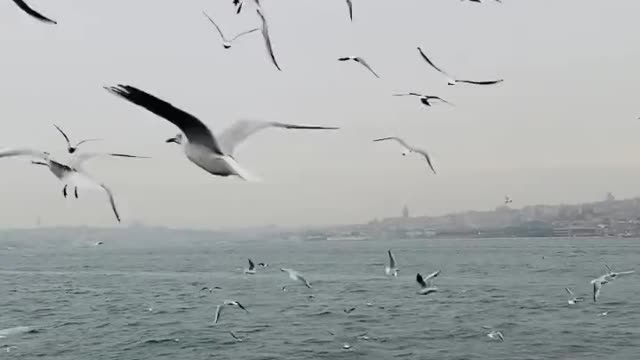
409,149
235,336
226,43
68,174
451,80
392,269
294,275
425,99
572,299
597,285
350,5
226,303
612,275
507,200
360,60
496,335
426,285
350,310
212,154
210,289
72,149
267,39
26,8
252,268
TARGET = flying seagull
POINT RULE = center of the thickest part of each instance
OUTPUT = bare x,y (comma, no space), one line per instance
26,8
70,148
361,61
453,81
226,43
496,335
612,275
294,275
210,289
350,5
507,200
349,310
392,268
233,335
426,284
572,299
226,303
267,39
597,285
408,149
213,154
68,174
425,99
252,268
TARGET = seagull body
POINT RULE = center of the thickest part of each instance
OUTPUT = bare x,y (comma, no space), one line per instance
409,149
267,39
425,99
392,268
36,15
361,61
597,285
72,148
213,154
453,81
572,299
251,270
226,43
612,275
226,303
296,276
426,284
496,335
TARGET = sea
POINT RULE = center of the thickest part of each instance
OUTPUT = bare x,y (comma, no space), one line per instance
134,298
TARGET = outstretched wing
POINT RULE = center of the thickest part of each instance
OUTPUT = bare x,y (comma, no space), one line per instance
77,161
350,5
23,152
244,33
596,290
111,201
364,63
426,157
490,82
231,137
251,266
420,280
569,291
242,307
216,317
397,139
86,140
392,260
424,56
216,26
26,8
267,39
63,134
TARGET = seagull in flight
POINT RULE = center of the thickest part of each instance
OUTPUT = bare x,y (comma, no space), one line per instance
426,284
213,154
226,43
453,81
361,61
392,268
350,5
597,285
252,268
226,303
210,289
496,335
409,149
572,299
612,275
507,200
26,8
233,335
296,276
72,148
267,39
425,99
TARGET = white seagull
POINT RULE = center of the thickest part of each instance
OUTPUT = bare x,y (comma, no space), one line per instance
597,285
213,154
392,268
72,148
572,299
267,38
226,303
226,43
361,61
252,268
453,81
425,99
409,149
426,284
26,8
612,275
296,276
496,335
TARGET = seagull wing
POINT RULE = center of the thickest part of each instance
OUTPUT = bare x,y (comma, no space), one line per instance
251,266
78,160
245,33
392,260
302,279
111,201
490,82
626,272
23,152
216,26
216,317
397,139
609,270
420,280
424,56
350,5
408,94
26,8
500,336
231,137
569,291
440,99
267,39
63,134
364,63
241,307
86,140
597,285
432,275
426,157
196,131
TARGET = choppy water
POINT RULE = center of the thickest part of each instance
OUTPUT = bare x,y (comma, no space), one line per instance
138,300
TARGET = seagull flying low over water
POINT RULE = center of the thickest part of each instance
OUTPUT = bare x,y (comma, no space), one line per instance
597,285
507,200
226,43
453,81
409,149
226,303
392,268
233,335
426,284
612,275
361,61
72,149
213,154
296,276
251,270
425,99
267,39
572,299
26,8
210,289
496,335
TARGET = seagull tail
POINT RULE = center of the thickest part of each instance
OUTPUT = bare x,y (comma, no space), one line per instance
241,172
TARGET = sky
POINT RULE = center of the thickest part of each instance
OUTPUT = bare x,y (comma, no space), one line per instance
562,128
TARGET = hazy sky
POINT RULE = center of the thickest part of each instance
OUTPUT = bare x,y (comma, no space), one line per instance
562,128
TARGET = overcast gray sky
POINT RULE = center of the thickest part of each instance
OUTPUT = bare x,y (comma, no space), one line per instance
562,128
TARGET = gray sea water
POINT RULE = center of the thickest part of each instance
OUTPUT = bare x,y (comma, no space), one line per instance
140,300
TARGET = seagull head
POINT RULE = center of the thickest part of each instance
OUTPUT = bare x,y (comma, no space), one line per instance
451,82
177,139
